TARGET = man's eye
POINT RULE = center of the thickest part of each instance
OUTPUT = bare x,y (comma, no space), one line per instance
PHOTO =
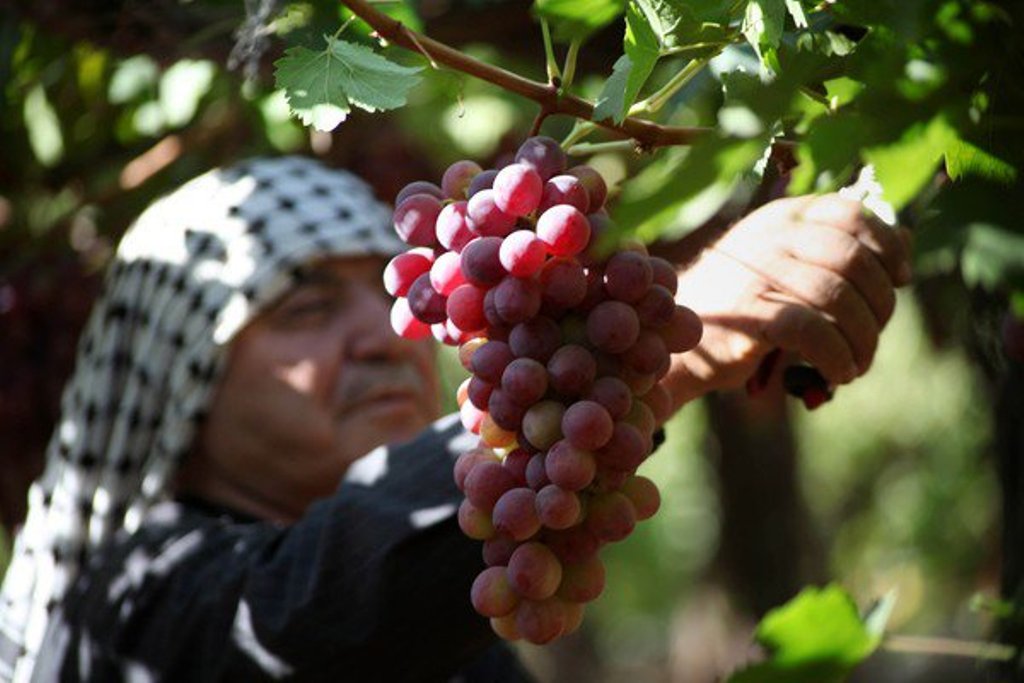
310,307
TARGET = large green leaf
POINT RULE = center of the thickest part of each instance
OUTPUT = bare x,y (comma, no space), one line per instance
964,158
828,153
762,27
817,637
904,166
578,19
686,189
321,87
631,70
678,23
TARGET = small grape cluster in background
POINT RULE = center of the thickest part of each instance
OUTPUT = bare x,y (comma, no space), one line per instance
566,348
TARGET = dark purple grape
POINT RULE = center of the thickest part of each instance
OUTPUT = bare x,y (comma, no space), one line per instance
525,381
505,412
572,370
481,263
481,181
538,338
628,276
613,394
613,326
418,187
425,302
490,360
664,274
543,154
563,283
516,299
587,425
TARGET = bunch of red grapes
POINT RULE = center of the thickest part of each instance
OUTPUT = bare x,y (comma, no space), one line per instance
566,348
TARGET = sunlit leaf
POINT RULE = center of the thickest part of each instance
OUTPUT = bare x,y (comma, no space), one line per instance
817,637
578,19
181,88
964,158
904,166
796,11
44,134
631,70
762,27
321,87
132,78
678,23
828,153
672,200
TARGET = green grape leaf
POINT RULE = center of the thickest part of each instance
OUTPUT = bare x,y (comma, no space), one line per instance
828,153
671,198
679,23
904,166
762,27
817,637
963,158
843,90
611,103
631,70
322,87
578,19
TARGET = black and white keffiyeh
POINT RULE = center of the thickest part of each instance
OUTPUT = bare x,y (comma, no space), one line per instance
189,274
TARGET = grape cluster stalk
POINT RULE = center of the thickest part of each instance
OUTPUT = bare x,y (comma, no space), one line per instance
566,347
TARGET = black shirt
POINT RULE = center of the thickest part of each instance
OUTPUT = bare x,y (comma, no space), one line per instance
372,584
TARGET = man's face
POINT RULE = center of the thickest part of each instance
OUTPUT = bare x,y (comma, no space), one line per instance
311,385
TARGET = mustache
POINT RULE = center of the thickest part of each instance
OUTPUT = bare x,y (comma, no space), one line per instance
365,382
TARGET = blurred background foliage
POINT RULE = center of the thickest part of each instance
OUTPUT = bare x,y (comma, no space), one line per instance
892,485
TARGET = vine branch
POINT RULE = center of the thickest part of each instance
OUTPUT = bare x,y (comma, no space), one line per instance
646,133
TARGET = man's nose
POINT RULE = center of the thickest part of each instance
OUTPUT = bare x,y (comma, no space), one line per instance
373,338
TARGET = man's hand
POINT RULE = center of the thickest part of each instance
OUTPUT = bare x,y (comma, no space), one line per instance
814,275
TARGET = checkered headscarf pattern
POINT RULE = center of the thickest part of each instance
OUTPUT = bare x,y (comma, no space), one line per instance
190,273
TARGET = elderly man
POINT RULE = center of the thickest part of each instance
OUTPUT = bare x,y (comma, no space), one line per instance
199,517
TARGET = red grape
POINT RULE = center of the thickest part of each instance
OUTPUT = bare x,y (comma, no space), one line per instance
465,307
564,229
487,218
415,218
453,227
403,270
522,253
517,189
534,571
492,594
564,189
515,514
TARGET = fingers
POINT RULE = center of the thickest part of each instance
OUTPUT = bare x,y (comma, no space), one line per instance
847,258
886,243
840,303
793,326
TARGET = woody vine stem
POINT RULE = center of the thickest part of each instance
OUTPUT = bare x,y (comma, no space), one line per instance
551,100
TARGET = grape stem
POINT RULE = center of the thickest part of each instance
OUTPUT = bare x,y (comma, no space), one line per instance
950,647
549,53
646,133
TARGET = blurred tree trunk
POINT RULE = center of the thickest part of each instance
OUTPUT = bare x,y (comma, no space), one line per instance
768,549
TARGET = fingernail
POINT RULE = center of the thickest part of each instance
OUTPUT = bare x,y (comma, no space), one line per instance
906,273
